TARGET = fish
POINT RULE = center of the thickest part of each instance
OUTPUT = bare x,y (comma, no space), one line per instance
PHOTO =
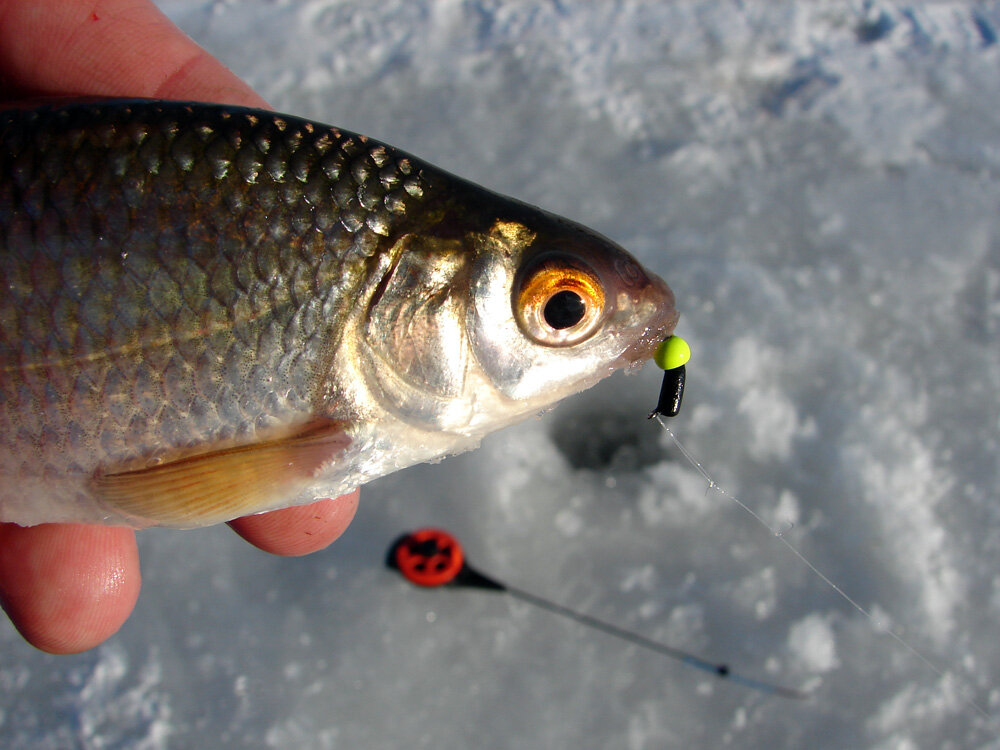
212,311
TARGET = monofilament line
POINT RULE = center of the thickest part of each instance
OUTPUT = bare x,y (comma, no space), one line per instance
879,625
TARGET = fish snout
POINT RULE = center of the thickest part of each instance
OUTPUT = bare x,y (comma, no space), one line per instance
644,309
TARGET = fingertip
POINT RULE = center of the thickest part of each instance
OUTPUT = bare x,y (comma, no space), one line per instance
301,529
121,48
68,587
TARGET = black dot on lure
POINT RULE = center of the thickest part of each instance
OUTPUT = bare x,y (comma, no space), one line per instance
434,558
671,355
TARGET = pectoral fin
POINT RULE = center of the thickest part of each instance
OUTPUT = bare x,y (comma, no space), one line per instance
215,486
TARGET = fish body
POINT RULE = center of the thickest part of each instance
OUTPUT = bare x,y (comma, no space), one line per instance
210,311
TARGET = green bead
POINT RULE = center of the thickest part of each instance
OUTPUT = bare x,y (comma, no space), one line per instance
672,352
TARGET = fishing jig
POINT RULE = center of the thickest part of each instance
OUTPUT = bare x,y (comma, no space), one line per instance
432,557
671,356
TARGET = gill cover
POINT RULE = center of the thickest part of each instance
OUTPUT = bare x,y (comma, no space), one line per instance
415,332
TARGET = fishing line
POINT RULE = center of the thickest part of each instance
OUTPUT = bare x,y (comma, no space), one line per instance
669,404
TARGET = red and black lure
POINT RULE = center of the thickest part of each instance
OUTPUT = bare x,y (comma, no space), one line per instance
432,557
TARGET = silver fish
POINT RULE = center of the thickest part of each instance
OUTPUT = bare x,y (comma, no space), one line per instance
210,311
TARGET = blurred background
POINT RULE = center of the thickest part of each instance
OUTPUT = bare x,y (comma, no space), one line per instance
819,183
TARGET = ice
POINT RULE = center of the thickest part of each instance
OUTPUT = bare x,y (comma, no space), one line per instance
819,183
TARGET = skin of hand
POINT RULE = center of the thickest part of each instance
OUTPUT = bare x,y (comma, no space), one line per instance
69,587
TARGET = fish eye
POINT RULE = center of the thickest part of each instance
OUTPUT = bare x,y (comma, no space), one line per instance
559,301
564,309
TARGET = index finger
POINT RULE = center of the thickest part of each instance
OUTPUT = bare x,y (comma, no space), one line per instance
107,48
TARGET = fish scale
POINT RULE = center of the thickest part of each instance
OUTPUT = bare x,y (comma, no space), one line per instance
210,311
175,271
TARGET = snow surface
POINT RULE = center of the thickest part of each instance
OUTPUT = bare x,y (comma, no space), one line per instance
819,182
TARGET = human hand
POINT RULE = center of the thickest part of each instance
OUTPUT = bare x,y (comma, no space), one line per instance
68,587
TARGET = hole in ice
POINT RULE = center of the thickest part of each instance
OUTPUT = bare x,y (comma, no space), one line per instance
607,438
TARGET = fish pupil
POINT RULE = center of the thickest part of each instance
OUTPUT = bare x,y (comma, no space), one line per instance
564,309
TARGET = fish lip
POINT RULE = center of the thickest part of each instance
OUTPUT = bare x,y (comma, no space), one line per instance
647,343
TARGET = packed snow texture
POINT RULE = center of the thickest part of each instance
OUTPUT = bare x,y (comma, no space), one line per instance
819,182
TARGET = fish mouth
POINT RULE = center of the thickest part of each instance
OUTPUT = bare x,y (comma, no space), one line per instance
658,325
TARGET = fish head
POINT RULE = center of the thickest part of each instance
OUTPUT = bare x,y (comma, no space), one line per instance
556,307
498,310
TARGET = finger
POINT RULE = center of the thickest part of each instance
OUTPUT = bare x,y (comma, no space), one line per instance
301,529
68,587
107,48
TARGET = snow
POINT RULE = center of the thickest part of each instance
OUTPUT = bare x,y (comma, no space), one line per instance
812,641
819,183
